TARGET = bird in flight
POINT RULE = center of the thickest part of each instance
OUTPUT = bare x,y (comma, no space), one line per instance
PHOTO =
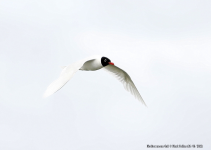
93,63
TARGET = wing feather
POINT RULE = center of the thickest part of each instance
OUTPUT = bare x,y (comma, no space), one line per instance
66,74
127,82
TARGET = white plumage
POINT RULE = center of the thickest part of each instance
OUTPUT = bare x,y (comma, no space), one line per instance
91,64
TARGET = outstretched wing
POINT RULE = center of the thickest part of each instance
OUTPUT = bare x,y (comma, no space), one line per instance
66,74
128,84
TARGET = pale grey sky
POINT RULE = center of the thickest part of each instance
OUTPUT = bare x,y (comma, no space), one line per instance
163,45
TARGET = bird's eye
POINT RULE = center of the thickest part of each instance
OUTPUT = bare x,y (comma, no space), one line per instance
105,60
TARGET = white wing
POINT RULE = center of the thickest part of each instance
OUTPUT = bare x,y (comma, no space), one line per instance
66,74
122,76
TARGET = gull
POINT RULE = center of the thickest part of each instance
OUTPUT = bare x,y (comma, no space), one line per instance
93,63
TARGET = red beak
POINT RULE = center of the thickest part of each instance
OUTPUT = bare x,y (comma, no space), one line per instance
111,63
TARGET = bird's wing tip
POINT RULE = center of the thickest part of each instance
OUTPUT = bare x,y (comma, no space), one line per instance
142,101
45,95
144,104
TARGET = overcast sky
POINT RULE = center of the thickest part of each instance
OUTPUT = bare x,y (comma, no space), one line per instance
163,45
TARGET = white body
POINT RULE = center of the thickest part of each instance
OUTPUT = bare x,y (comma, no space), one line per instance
92,65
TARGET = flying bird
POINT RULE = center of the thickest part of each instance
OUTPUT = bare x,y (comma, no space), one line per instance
91,64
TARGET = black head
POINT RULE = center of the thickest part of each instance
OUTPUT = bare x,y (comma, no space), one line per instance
105,61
